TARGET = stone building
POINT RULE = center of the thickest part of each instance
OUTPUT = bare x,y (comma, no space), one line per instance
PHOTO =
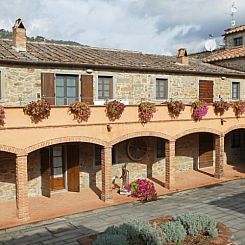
62,154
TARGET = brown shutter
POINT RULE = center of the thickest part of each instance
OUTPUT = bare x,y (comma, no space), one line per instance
87,89
45,171
206,90
165,88
111,88
73,169
47,87
206,148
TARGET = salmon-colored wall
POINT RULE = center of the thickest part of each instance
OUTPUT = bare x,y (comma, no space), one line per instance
20,135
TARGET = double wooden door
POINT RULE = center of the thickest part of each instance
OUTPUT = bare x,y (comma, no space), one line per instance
206,147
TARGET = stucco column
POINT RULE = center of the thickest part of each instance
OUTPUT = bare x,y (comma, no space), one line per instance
22,187
219,156
106,168
170,164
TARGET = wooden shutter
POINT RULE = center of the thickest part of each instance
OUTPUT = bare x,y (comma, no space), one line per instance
45,171
206,90
87,89
206,148
165,88
48,87
73,168
111,89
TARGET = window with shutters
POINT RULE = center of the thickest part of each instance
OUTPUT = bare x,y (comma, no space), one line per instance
235,91
161,88
66,89
236,139
160,147
105,87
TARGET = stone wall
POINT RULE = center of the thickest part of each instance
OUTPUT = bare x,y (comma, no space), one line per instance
229,39
20,85
236,63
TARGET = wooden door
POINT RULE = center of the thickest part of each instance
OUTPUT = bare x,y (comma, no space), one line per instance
47,87
57,168
87,89
206,147
206,90
73,169
45,171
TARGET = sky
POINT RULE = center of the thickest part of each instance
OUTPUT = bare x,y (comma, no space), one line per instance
149,26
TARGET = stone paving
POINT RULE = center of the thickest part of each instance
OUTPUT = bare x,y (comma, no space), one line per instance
224,202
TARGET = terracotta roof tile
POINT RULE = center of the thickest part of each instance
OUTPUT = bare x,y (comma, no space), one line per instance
55,54
234,30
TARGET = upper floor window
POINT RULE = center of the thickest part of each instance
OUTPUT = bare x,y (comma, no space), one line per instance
161,88
160,148
66,89
235,90
105,87
238,41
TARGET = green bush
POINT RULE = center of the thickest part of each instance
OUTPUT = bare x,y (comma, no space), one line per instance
198,224
110,239
174,231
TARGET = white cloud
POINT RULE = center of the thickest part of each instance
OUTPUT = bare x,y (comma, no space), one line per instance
154,26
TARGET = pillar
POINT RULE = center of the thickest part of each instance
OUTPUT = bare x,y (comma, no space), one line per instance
170,164
219,156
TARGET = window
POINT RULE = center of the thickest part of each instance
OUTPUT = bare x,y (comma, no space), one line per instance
235,90
236,139
57,161
238,41
97,155
161,88
66,89
160,148
105,88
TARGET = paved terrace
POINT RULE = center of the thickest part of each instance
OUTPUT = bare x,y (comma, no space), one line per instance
223,201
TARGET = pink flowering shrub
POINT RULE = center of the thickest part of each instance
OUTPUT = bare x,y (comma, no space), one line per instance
146,111
114,110
220,107
143,189
199,110
175,107
239,107
80,110
37,110
2,116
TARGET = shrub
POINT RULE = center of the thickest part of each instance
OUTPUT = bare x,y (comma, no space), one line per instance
143,189
239,107
199,109
198,224
175,107
146,111
80,110
2,116
174,231
37,110
220,107
114,109
110,239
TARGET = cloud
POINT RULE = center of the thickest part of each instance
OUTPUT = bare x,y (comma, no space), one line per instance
151,26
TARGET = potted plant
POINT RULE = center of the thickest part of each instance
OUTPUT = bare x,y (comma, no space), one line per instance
146,111
238,107
220,107
199,109
37,110
175,107
80,110
114,109
2,116
143,189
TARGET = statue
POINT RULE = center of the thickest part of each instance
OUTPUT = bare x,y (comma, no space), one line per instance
125,180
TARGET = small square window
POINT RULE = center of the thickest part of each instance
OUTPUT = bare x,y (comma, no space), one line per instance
238,41
235,91
161,88
105,87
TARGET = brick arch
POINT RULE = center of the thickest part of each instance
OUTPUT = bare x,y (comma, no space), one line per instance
140,134
197,130
234,127
11,149
65,140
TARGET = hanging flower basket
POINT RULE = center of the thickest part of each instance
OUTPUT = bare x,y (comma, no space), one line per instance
80,110
199,109
2,116
175,107
114,109
146,111
220,107
238,107
143,190
37,110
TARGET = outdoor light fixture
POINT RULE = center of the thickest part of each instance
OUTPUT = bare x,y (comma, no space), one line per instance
108,126
89,71
222,121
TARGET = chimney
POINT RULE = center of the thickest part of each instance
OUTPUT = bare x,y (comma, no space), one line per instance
19,36
182,57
